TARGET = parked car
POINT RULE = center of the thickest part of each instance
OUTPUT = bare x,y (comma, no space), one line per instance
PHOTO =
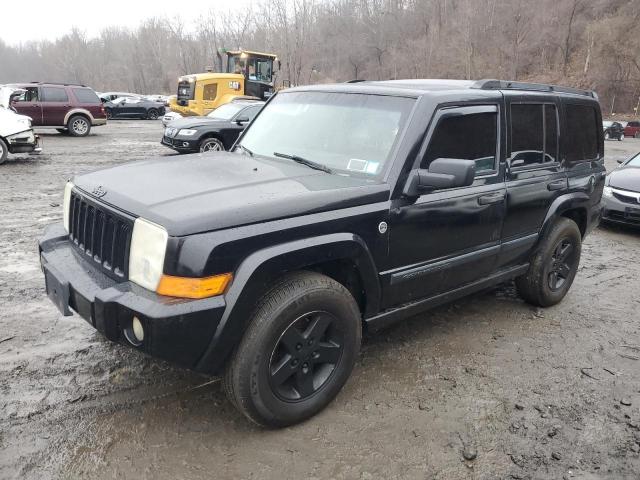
341,207
164,99
16,134
632,129
613,130
217,131
66,107
621,196
170,117
111,96
134,107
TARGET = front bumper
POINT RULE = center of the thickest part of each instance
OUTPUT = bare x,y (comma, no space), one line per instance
180,145
24,142
177,330
617,211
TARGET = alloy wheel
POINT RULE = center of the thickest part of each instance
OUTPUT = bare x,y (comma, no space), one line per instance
211,146
305,356
561,264
80,126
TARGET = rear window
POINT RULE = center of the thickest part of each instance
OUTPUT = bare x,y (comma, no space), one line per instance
54,94
534,134
86,95
582,133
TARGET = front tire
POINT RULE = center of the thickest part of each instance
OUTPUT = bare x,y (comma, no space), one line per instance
607,136
4,151
152,114
79,126
554,266
211,145
297,352
621,137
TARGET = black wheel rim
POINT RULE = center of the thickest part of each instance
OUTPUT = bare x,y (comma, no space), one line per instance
153,115
305,356
562,264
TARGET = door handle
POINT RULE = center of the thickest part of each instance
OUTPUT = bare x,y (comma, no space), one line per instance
491,198
557,185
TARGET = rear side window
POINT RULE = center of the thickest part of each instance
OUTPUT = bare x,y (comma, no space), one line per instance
54,94
582,133
85,95
534,134
468,137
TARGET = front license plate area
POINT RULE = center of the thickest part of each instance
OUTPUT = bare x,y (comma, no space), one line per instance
58,291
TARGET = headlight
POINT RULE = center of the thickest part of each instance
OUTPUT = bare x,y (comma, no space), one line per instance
66,203
607,192
187,132
146,256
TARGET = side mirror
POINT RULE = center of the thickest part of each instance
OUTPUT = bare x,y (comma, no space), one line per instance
442,173
242,119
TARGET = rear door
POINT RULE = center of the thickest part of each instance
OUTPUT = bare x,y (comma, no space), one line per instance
55,105
535,174
29,104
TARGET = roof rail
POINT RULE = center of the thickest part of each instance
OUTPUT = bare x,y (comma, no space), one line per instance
60,83
355,81
490,84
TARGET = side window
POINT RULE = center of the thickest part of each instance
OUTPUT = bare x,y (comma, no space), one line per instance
54,94
534,134
210,91
251,112
582,133
30,95
469,137
86,95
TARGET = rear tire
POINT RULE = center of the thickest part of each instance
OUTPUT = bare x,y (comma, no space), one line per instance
621,137
606,135
298,351
108,113
152,114
79,126
637,135
4,151
554,266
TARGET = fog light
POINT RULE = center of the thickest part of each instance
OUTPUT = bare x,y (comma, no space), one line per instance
138,331
185,144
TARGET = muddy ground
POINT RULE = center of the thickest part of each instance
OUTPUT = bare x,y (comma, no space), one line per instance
530,393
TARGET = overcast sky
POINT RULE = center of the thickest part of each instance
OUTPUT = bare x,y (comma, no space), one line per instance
47,19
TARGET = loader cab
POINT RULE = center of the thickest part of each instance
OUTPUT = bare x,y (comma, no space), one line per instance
258,70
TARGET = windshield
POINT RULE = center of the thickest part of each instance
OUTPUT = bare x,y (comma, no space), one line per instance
352,134
634,162
226,111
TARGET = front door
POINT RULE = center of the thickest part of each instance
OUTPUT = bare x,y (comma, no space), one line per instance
28,103
448,238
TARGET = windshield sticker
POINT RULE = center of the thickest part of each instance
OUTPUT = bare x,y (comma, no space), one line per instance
372,167
357,165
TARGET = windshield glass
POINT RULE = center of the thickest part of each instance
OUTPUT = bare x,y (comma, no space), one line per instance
634,162
226,111
350,133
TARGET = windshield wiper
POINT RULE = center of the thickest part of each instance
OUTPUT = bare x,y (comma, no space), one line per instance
304,161
245,149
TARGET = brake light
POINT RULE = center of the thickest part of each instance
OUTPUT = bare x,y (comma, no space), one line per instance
102,109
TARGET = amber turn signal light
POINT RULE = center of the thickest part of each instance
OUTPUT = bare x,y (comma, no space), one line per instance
187,287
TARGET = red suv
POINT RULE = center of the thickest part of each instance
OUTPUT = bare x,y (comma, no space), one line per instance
65,107
632,129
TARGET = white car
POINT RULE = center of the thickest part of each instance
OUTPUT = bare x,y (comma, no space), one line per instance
16,134
170,117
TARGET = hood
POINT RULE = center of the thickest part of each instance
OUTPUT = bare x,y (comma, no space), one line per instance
213,191
194,122
625,178
6,93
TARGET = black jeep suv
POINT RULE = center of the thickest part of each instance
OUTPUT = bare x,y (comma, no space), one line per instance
340,207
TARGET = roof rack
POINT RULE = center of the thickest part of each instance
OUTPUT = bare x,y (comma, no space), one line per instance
355,81
490,84
60,83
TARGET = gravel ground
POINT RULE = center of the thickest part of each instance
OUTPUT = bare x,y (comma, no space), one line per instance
485,388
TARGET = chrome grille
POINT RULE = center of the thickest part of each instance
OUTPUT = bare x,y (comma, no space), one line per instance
103,235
